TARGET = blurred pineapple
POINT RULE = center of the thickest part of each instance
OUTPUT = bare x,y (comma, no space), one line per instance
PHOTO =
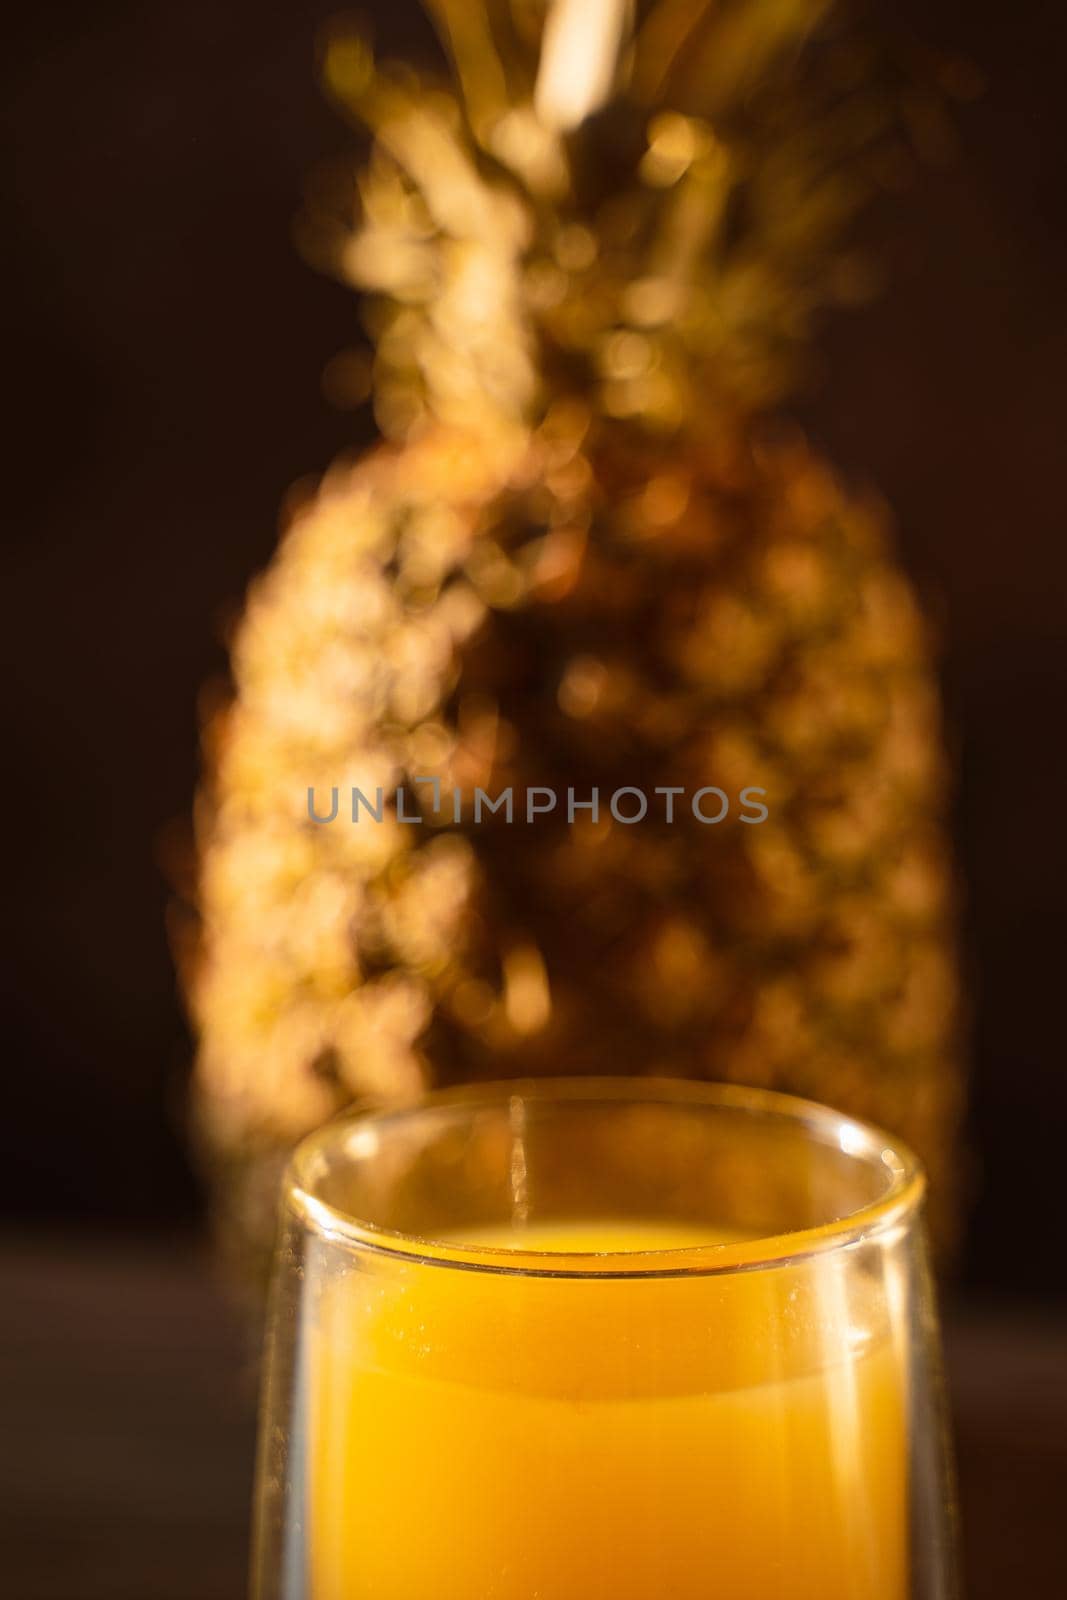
581,559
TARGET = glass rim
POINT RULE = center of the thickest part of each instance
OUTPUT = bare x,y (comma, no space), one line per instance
854,1137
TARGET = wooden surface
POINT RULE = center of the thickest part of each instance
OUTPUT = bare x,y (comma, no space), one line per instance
126,1433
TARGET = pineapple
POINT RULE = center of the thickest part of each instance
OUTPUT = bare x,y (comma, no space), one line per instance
583,558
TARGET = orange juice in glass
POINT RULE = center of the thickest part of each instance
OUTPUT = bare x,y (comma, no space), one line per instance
601,1338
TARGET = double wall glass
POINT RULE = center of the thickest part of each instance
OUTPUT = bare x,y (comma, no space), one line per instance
602,1340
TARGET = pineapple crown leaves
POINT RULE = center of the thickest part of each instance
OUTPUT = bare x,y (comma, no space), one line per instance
640,207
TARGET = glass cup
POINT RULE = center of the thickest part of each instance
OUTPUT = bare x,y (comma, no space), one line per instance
602,1339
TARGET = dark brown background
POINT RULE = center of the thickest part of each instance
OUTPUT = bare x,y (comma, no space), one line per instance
163,351
164,346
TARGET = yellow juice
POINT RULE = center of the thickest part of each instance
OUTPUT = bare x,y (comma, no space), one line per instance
479,1435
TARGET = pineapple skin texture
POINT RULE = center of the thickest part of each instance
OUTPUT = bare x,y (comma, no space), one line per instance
585,604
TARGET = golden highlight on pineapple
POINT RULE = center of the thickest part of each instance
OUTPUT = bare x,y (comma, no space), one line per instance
582,557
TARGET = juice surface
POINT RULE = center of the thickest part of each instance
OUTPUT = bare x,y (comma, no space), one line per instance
481,1436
